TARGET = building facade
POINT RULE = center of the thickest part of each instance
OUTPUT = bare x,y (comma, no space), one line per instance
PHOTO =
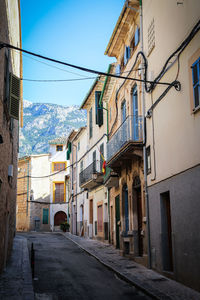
173,137
125,179
91,176
10,119
33,194
59,169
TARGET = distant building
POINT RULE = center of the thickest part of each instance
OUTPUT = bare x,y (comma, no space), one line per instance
33,193
91,175
10,120
59,169
79,199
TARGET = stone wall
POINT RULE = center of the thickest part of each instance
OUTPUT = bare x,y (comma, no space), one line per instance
8,150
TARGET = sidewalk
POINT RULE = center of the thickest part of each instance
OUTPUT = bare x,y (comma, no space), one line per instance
150,282
16,280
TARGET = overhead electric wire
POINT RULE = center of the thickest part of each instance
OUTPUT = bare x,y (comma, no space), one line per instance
2,45
52,66
165,68
56,80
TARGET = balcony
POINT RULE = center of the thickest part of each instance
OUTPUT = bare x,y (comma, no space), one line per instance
126,142
111,179
92,176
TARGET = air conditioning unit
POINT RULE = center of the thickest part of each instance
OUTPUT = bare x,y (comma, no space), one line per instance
10,170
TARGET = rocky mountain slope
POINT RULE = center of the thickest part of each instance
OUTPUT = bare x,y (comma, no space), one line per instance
44,122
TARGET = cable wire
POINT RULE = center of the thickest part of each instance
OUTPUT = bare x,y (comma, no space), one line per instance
2,45
56,80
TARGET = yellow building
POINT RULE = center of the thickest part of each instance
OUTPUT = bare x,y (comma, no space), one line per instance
125,145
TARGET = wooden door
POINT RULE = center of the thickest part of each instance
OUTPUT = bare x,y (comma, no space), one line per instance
139,219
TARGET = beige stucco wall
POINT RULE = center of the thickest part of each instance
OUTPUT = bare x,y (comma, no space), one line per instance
177,135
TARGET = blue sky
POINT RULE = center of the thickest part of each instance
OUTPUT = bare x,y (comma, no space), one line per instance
76,32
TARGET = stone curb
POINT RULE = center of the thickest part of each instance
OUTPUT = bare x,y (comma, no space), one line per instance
28,293
119,274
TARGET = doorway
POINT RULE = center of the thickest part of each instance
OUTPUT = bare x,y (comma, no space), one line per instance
138,209
117,214
59,218
126,209
166,232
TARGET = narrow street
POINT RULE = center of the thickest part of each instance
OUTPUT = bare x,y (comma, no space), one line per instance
64,271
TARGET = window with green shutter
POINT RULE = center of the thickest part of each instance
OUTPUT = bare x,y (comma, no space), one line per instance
90,123
98,109
45,216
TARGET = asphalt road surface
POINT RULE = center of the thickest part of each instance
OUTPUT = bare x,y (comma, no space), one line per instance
64,271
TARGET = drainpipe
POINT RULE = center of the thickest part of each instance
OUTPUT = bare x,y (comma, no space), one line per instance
144,144
101,97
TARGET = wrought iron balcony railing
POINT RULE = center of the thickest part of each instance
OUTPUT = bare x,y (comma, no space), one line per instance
90,172
129,131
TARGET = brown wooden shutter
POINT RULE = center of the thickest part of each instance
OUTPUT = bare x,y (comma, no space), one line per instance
59,192
14,97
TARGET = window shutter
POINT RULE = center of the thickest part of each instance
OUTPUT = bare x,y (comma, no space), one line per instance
101,158
128,52
14,97
137,36
68,155
90,123
196,82
98,108
45,215
70,147
125,56
117,70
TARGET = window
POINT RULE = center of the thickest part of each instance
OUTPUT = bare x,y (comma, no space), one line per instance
45,216
117,70
98,109
58,166
90,123
59,192
127,54
59,147
137,36
101,158
123,111
196,83
148,155
94,161
81,166
78,145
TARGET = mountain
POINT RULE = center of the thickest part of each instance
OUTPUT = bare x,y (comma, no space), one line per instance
44,122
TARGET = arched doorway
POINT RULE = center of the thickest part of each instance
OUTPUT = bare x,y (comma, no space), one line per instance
59,218
137,206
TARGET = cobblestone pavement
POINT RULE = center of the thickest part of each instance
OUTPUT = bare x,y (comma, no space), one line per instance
16,280
154,284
